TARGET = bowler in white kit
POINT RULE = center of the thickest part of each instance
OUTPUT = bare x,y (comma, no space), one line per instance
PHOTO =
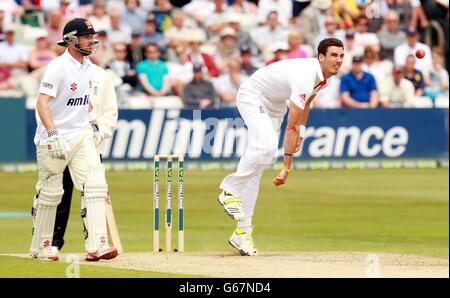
263,101
64,137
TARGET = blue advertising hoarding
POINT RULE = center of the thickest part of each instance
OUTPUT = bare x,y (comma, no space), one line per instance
220,134
13,128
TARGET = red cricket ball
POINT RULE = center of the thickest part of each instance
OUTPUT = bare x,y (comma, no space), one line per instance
420,53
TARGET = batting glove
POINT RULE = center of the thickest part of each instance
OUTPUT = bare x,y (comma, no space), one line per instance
57,146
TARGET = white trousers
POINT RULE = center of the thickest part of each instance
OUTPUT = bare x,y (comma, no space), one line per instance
82,156
262,146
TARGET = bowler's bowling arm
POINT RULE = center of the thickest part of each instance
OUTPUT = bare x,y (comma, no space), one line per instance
292,139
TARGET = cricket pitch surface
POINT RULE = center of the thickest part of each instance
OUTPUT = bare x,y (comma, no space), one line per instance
280,264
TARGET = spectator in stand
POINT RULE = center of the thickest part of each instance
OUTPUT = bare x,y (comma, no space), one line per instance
297,7
40,55
162,13
331,31
135,50
246,61
13,67
243,37
180,71
418,15
345,12
119,31
396,91
99,19
295,48
176,34
54,29
243,7
364,38
269,34
404,9
199,93
414,75
439,81
358,88
153,73
151,34
123,69
227,85
195,40
11,11
148,5
247,12
69,10
411,45
199,10
372,64
28,4
5,78
280,51
7,84
351,50
133,15
121,66
85,7
217,20
227,49
13,55
282,7
312,20
390,37
48,6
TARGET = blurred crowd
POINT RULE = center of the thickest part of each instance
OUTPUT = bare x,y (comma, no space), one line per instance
182,53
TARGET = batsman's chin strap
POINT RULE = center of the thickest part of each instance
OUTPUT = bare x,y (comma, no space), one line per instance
83,52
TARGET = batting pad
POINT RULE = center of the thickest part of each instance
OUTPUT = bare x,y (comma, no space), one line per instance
95,192
44,222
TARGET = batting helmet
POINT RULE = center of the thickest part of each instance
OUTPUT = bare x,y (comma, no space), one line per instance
73,29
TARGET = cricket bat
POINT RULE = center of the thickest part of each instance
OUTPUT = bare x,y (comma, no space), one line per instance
113,233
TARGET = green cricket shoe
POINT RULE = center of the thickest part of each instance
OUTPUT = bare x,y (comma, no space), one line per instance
232,205
243,242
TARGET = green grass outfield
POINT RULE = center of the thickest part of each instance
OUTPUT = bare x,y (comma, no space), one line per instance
377,210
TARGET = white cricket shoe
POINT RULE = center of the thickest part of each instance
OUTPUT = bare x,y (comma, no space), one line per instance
106,253
50,253
243,242
232,205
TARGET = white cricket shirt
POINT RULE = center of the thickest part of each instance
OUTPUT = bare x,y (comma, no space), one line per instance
70,84
295,79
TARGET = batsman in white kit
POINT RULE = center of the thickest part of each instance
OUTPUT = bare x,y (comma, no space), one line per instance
64,137
263,101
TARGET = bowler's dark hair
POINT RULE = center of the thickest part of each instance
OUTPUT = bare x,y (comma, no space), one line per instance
326,43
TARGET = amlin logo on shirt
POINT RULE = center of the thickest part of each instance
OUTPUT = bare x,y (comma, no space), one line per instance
78,101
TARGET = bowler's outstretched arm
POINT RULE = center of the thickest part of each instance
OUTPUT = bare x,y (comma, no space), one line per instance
293,137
